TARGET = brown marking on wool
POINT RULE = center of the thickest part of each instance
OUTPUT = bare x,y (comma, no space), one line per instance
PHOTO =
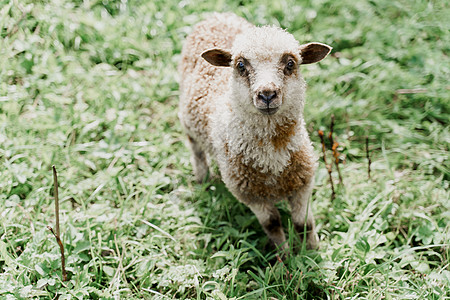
283,135
301,228
227,149
273,225
249,71
257,186
300,170
283,62
286,56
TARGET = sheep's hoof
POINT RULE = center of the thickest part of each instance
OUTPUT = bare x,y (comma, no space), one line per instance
312,238
312,241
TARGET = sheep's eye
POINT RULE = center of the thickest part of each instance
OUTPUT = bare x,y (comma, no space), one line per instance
290,65
241,67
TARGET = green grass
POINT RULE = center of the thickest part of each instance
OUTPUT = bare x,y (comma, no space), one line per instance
91,87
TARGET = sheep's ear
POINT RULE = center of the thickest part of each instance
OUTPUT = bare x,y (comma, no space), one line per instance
217,57
314,52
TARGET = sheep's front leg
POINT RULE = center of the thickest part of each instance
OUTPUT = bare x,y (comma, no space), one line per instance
270,219
302,216
198,160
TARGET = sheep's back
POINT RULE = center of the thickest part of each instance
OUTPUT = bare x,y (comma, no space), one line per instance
200,82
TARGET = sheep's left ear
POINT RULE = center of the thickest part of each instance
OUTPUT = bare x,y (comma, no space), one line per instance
314,52
217,57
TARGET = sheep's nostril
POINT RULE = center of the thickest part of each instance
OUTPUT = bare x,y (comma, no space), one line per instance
267,96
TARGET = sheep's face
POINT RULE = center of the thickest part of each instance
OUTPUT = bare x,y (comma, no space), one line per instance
267,81
265,63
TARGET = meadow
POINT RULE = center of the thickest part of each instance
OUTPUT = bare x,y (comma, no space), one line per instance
91,87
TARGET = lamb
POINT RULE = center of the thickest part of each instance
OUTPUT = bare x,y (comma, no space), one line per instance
241,105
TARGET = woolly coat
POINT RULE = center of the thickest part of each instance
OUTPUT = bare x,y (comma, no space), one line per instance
260,158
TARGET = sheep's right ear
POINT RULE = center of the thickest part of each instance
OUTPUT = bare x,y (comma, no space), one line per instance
217,57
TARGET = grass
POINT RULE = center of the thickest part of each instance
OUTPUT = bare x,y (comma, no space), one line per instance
91,87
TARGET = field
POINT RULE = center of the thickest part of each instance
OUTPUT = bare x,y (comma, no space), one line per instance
91,88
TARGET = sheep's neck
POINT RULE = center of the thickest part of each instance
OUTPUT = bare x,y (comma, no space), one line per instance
265,142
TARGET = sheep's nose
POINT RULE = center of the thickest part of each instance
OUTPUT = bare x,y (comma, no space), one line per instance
267,96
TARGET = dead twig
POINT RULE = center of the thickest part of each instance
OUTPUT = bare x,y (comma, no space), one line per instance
16,26
334,145
61,248
288,274
330,135
408,91
411,91
55,194
328,166
58,234
369,161
336,161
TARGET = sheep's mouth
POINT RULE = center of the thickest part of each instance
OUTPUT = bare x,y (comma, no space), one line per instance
268,110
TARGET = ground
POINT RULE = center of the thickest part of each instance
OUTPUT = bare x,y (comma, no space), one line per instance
91,88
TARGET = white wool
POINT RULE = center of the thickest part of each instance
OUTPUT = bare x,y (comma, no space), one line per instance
244,126
264,43
261,144
244,135
233,119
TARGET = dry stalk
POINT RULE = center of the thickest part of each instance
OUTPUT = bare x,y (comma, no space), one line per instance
55,194
369,161
288,274
411,91
328,166
61,248
57,233
408,91
334,145
16,26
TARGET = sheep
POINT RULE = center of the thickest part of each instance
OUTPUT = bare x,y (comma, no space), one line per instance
241,105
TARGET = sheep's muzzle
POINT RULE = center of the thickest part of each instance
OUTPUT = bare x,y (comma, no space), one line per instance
268,110
268,101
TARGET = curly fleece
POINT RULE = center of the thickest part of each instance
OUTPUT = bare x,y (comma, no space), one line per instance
262,158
